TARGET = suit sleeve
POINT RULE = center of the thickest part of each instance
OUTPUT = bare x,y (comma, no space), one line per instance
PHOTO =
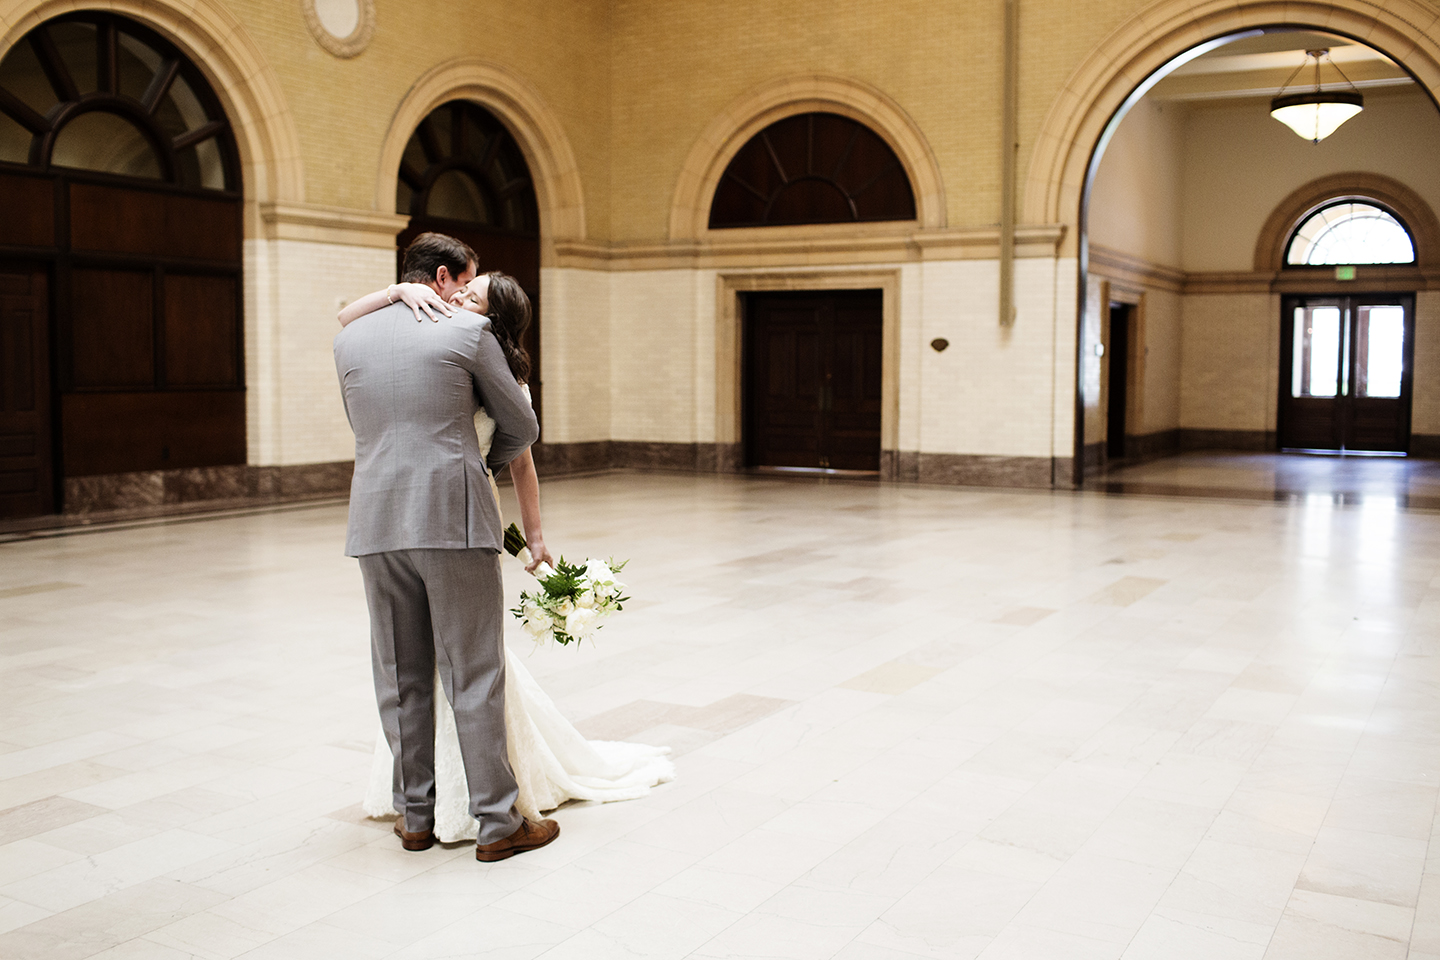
504,400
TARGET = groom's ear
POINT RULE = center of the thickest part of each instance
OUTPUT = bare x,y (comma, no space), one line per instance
442,273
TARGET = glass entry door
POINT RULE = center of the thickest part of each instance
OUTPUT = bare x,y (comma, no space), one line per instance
1345,373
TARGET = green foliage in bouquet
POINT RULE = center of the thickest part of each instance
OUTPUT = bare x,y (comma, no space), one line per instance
573,598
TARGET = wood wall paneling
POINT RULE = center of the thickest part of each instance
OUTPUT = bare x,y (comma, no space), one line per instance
112,332
26,479
28,206
201,331
108,219
107,433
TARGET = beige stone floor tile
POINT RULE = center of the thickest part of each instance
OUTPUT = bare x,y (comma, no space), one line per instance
1302,938
491,932
591,887
1147,766
17,913
1024,942
1171,934
1365,866
652,925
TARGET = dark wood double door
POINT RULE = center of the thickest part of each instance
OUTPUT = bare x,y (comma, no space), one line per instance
812,394
1346,372
120,333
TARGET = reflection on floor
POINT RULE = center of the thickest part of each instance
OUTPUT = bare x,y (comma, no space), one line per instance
1402,482
910,722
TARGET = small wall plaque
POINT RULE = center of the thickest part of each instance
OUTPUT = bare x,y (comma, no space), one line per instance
343,27
939,344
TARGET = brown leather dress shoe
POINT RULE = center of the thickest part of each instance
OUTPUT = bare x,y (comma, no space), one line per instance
414,841
530,836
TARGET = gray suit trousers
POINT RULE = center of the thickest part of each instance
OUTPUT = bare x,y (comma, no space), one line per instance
442,608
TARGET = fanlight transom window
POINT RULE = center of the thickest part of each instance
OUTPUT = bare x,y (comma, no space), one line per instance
462,164
1350,232
812,168
98,92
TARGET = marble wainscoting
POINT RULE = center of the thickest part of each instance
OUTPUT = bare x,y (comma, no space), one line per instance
161,488
560,459
974,470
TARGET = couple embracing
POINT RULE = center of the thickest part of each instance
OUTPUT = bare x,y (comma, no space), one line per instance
432,375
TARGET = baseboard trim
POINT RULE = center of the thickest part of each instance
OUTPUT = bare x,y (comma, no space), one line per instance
1153,446
1425,446
561,459
239,482
1256,441
972,470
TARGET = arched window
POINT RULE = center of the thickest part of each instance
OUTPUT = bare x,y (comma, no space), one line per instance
97,92
1350,231
812,168
461,164
121,221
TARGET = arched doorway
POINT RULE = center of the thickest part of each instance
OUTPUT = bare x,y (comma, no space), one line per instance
812,362
463,174
1201,318
120,263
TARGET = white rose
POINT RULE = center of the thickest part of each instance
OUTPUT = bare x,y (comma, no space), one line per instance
564,607
580,623
541,629
586,599
598,571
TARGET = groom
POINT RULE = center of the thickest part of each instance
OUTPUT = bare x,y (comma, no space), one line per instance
425,526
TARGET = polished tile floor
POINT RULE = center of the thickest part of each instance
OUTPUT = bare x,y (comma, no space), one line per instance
1284,477
909,723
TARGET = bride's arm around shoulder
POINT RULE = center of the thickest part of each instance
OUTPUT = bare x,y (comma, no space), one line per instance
418,297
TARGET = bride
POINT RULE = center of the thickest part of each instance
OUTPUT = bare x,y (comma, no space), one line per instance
552,762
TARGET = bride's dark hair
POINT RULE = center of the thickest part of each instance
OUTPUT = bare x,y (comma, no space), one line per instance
509,313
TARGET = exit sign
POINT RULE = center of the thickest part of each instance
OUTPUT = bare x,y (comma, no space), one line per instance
1344,273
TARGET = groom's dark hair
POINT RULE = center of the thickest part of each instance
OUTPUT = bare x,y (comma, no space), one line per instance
429,252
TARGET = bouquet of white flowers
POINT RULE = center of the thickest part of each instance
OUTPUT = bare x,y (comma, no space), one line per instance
573,599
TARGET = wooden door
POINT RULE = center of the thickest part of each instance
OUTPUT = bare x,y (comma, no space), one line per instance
1116,360
1346,373
26,461
812,372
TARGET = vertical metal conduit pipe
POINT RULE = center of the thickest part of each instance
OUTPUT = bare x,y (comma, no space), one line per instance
1009,155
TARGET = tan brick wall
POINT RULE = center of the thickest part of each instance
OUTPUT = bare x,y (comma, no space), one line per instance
343,108
294,290
1425,413
679,64
1231,350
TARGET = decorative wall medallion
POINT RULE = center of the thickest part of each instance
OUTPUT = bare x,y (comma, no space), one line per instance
344,27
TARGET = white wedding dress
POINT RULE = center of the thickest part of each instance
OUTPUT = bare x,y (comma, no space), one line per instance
552,761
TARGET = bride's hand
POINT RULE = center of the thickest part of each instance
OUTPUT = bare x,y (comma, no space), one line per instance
538,555
418,296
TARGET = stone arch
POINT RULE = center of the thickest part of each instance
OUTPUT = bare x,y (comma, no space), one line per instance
265,133
1412,208
1118,68
733,127
520,107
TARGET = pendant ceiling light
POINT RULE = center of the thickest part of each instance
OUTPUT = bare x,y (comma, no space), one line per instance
1316,115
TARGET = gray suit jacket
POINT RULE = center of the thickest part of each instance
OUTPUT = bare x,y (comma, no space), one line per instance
411,391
